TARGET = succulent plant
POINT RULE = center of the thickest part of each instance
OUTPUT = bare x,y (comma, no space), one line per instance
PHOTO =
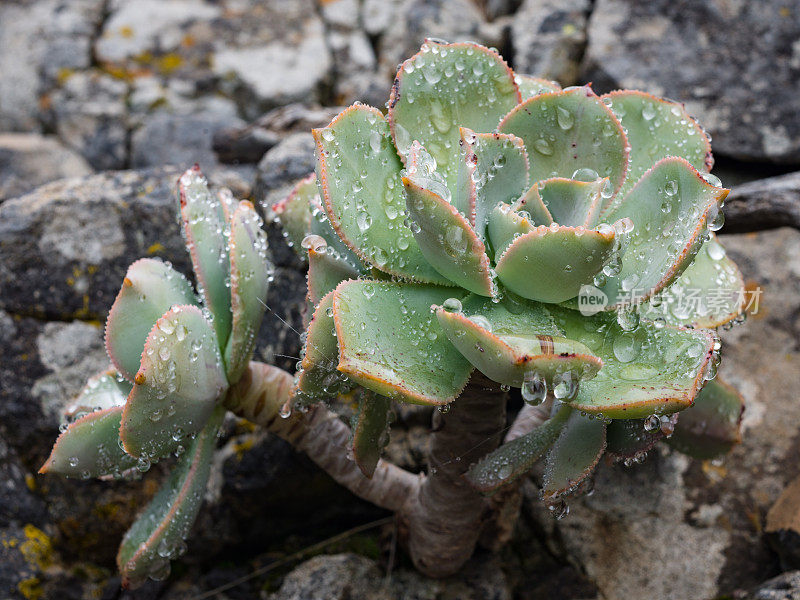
490,231
174,354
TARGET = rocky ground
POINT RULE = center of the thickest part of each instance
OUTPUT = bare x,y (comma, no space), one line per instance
104,102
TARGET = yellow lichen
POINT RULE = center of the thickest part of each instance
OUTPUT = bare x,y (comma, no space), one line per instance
30,588
37,549
157,247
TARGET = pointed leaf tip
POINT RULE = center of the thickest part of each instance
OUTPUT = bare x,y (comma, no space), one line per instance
181,376
149,289
205,229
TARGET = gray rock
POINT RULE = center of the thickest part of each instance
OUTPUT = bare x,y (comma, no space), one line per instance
278,72
736,65
677,528
548,38
40,42
29,160
89,114
764,204
782,587
147,26
353,577
65,247
170,139
400,27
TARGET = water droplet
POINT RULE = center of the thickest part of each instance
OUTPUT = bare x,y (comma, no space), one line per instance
534,388
564,118
452,305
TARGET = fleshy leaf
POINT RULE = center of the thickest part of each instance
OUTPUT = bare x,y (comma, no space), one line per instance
533,86
390,342
508,346
670,208
531,202
550,264
574,455
326,269
250,272
204,226
710,427
709,293
505,225
318,378
569,131
294,212
175,390
359,173
447,240
658,128
632,438
149,289
104,390
497,165
159,532
571,202
371,431
444,87
89,447
649,370
515,458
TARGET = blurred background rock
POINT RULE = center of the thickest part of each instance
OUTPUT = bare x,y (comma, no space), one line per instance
104,102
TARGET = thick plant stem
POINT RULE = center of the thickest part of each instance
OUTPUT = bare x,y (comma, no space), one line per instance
319,432
444,520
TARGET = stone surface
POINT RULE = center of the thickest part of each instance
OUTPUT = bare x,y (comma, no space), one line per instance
764,204
736,65
352,577
89,113
676,528
783,587
28,160
548,38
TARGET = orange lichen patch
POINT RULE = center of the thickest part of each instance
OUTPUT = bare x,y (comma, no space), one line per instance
155,248
126,31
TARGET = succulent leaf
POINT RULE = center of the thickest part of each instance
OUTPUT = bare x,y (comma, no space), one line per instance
505,225
515,458
203,220
250,272
550,264
709,293
670,207
498,171
570,131
569,201
652,369
158,533
149,289
510,347
371,431
180,378
445,86
533,86
710,427
574,455
531,202
326,269
103,390
390,342
318,377
657,128
90,447
447,240
356,159
632,438
294,212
